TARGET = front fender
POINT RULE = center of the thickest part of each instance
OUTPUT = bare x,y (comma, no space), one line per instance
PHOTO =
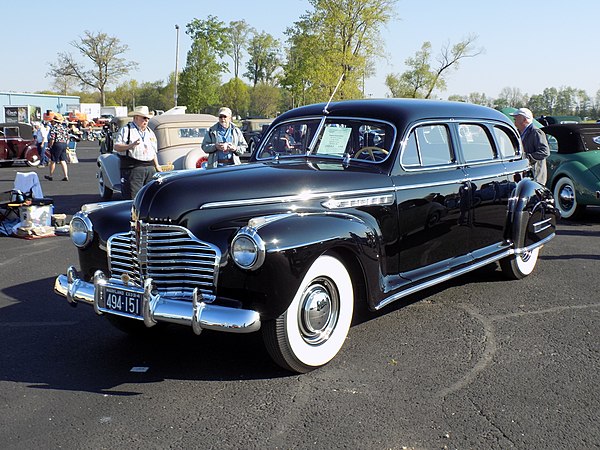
292,244
531,215
110,166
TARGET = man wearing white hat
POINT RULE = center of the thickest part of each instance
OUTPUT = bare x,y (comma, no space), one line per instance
535,143
137,147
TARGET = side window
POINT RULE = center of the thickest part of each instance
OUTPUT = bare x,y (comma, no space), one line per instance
427,146
552,143
475,143
507,146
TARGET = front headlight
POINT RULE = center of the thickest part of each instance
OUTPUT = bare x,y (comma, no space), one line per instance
81,230
248,249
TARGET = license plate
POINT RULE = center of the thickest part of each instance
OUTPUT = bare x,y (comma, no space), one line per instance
123,301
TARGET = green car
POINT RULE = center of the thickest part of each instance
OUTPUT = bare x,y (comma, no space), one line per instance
574,166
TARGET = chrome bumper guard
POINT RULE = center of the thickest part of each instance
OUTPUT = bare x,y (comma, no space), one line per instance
198,314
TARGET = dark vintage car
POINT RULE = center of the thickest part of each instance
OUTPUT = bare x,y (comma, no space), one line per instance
253,130
370,201
17,144
574,166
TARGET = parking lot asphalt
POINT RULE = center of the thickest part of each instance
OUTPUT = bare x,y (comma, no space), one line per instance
476,363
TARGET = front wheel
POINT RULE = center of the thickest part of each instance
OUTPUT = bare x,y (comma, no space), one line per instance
519,266
105,192
314,327
566,200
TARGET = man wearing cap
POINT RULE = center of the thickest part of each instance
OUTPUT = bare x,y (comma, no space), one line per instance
535,143
137,148
58,139
224,142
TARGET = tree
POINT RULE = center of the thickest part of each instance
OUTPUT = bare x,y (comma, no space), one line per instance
265,59
104,52
413,83
265,100
65,84
238,35
200,80
125,94
421,79
235,94
337,41
512,97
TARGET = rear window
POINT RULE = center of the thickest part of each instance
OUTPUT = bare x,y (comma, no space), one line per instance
191,133
591,139
508,146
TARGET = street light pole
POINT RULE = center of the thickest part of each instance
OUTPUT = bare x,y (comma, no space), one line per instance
176,61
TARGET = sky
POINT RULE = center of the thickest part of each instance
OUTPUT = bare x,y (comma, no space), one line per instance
526,45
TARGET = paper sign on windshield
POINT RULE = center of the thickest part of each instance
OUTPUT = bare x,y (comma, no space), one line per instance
334,140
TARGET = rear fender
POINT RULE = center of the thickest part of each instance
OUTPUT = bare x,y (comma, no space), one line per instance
531,216
31,153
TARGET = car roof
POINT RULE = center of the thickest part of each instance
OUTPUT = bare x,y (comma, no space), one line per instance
190,119
575,137
25,129
398,110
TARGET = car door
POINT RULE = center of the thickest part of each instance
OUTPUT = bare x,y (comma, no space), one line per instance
432,202
489,185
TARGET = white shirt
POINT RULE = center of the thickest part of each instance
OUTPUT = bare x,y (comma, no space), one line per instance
147,147
41,134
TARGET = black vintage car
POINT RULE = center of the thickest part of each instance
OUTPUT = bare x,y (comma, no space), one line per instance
356,202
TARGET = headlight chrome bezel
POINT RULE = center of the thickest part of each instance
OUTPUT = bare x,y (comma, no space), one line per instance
256,245
81,230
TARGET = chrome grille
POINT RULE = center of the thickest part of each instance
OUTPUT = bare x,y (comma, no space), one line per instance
172,256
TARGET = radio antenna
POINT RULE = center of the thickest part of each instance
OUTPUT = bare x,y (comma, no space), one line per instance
332,94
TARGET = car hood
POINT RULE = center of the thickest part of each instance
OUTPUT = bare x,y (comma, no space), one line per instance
172,195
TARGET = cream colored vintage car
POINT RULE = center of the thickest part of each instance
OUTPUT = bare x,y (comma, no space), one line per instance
179,137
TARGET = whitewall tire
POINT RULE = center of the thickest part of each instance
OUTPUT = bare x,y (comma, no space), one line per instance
314,327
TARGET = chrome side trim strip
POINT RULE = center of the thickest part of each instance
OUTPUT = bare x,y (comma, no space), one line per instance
298,198
445,277
542,225
461,271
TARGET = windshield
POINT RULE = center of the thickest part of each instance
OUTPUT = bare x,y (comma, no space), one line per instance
360,139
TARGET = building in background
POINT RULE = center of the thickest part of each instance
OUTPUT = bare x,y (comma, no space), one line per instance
27,107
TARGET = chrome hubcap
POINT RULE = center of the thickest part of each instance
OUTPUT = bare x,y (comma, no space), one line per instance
566,197
318,312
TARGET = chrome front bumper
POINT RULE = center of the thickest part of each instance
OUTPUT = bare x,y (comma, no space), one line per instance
198,314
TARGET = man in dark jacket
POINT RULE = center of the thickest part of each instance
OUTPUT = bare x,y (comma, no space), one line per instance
535,143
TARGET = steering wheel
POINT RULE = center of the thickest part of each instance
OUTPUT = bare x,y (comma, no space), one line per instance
369,151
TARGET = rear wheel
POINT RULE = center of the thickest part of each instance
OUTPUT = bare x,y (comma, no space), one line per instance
314,327
566,199
517,267
105,192
34,161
